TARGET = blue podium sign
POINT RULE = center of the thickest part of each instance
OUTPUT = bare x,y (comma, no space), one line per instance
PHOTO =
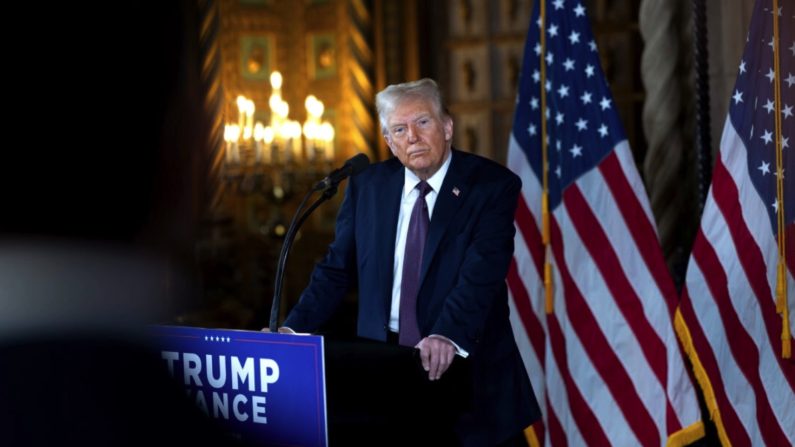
268,389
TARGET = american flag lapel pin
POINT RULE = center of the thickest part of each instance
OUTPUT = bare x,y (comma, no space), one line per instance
456,191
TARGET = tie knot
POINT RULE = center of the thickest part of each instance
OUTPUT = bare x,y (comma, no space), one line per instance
424,188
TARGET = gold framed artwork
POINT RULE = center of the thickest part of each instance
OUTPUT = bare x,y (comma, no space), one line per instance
508,64
468,17
512,16
473,132
256,57
469,73
322,55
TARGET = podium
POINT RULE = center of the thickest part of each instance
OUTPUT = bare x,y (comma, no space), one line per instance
280,389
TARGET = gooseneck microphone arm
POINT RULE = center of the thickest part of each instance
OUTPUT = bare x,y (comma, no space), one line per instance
329,187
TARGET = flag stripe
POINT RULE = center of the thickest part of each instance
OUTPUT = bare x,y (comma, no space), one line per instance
589,427
753,263
557,398
731,422
603,358
556,435
642,230
607,263
530,233
603,252
741,344
521,300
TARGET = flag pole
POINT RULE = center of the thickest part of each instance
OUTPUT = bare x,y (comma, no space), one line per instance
781,271
545,166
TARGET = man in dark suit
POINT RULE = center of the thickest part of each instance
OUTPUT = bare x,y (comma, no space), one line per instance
428,237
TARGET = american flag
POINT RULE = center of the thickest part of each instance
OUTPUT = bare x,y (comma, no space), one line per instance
728,309
605,365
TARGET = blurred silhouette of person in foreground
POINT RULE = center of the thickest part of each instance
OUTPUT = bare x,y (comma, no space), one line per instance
98,213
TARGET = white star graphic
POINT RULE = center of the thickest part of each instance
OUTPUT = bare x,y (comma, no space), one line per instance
553,30
603,130
772,44
537,49
780,171
787,112
770,75
579,11
557,171
558,4
536,76
532,129
581,124
752,131
589,70
568,64
738,97
742,65
548,85
775,205
576,151
784,142
563,91
769,106
586,98
559,118
792,48
205,338
574,37
557,145
592,45
534,103
539,22
604,103
550,58
546,112
765,168
790,80
768,136
228,339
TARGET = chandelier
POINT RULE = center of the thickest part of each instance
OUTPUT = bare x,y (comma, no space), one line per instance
279,156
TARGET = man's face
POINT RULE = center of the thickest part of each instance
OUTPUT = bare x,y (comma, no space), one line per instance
418,136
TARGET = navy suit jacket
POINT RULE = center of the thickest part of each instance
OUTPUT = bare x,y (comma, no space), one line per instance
462,295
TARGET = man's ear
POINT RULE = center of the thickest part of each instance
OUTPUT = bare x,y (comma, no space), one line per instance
448,128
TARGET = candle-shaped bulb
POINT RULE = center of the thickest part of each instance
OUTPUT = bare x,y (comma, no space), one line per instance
276,80
259,131
241,102
282,109
267,135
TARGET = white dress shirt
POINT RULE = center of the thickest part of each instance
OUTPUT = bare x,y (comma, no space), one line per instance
410,194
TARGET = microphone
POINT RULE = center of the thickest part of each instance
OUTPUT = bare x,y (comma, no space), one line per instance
353,166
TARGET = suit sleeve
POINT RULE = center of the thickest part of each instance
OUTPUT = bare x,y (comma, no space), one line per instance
480,284
331,277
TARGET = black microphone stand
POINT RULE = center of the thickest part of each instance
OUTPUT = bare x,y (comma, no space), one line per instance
289,237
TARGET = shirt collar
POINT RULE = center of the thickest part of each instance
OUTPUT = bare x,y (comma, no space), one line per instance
435,181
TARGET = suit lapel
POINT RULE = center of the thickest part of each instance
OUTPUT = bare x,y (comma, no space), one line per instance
385,220
452,194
